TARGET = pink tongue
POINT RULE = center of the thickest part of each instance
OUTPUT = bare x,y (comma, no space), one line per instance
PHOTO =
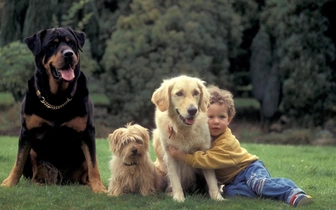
67,74
189,121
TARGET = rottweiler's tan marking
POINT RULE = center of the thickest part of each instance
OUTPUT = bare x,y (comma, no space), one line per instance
78,123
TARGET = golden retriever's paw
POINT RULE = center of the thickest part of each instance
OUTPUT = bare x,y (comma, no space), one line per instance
216,196
179,197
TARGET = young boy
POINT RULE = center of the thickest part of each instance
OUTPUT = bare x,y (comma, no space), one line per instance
241,172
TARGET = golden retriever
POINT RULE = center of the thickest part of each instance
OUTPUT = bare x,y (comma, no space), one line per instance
181,121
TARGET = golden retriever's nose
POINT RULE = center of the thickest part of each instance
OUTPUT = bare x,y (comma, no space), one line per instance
192,110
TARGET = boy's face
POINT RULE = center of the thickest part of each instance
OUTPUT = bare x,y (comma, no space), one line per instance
218,119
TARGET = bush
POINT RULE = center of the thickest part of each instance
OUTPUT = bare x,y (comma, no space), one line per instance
17,64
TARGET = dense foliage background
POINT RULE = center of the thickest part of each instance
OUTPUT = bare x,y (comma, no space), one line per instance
281,52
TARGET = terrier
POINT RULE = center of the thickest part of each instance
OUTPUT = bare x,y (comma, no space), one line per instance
132,170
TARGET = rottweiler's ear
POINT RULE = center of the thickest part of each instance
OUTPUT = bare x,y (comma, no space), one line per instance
80,38
34,42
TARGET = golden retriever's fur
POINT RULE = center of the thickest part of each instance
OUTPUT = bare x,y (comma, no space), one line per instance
132,170
182,122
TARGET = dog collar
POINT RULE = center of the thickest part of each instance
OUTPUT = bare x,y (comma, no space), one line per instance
131,164
171,130
50,106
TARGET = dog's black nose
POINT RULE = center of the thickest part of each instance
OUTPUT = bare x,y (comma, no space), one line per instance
134,150
67,53
192,110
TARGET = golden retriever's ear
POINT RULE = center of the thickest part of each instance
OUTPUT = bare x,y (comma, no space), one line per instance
205,96
161,96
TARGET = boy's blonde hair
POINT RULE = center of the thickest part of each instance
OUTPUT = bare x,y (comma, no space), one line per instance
221,96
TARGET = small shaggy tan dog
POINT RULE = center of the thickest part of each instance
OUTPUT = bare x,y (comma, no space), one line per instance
181,121
131,167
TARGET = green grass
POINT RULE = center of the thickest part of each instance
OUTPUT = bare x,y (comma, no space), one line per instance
311,168
246,103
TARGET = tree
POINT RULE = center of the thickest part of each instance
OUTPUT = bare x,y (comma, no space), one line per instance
16,60
12,21
17,64
303,54
161,39
103,23
265,77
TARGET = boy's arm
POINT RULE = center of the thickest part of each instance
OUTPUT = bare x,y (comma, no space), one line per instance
177,154
215,158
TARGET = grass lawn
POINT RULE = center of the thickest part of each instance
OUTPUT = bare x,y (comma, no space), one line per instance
311,168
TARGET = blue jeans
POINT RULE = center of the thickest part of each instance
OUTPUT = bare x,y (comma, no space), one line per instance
255,181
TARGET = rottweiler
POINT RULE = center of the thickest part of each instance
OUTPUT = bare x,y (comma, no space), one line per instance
57,136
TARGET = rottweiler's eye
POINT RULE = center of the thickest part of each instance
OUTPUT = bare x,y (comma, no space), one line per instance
195,93
71,44
180,93
52,45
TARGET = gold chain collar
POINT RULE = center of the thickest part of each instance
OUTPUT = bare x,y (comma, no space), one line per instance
50,106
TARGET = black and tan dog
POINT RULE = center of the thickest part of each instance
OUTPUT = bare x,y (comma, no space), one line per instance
57,138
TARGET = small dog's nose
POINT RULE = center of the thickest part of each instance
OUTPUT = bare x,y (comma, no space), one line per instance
134,150
192,110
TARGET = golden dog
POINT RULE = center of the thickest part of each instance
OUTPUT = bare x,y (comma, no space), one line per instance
181,121
131,167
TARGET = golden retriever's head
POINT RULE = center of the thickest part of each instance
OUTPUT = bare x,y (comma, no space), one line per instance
183,95
130,143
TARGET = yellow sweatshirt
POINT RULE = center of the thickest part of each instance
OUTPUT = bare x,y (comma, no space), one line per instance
226,156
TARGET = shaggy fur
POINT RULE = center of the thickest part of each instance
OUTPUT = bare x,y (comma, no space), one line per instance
131,167
181,121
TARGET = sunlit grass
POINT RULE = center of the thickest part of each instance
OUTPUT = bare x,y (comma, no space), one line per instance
311,168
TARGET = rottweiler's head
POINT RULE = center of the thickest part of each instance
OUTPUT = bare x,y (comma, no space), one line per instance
56,52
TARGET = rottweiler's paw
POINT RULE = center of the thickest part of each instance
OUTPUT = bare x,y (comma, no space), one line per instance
98,188
8,182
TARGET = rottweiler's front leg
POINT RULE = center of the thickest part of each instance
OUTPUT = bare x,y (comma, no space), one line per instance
16,173
89,150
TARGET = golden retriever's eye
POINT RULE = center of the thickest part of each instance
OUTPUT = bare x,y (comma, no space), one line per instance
195,93
180,93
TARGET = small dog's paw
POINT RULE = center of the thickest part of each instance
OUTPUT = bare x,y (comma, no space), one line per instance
112,194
